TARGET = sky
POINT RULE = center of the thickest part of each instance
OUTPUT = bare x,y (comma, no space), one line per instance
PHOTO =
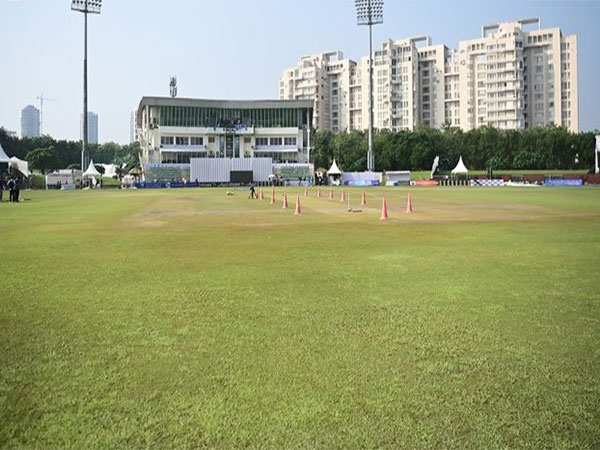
229,49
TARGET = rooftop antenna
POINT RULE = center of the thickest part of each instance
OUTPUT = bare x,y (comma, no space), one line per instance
173,87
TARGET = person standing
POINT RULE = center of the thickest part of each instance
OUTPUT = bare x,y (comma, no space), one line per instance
17,190
1,188
11,189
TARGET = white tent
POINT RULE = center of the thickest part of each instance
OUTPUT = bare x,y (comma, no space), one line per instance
334,173
110,170
460,167
334,169
20,165
91,171
3,156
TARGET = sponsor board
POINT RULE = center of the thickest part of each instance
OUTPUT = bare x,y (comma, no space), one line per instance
425,182
550,182
486,182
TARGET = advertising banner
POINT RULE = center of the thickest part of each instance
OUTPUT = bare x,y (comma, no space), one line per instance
550,182
425,182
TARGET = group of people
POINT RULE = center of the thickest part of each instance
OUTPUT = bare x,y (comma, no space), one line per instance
13,189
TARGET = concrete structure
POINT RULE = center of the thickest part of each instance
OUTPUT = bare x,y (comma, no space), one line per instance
512,77
133,136
177,130
30,121
324,78
92,127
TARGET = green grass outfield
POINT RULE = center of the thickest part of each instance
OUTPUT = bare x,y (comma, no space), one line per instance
189,318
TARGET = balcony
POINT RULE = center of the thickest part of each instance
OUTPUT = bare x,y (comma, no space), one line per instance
277,148
183,148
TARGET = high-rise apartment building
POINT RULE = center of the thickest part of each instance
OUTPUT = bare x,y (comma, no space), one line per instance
92,127
512,77
324,78
30,121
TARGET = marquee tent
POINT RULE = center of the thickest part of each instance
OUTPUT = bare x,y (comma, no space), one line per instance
334,173
460,168
334,169
91,171
20,165
4,159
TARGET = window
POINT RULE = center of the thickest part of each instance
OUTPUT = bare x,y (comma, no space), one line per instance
247,140
166,140
275,141
196,141
262,141
181,140
290,141
211,140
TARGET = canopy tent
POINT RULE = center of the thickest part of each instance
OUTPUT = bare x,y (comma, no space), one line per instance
4,159
110,170
334,169
91,171
20,165
334,174
460,167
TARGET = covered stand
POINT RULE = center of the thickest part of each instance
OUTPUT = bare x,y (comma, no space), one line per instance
334,174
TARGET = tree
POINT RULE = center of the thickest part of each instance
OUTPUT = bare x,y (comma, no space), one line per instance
322,153
43,159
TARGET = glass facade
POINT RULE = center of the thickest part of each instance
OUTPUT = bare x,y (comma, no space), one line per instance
188,116
181,157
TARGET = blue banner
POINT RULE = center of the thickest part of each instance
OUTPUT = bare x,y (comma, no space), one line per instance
550,182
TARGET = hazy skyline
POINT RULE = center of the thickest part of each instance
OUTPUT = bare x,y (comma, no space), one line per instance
232,49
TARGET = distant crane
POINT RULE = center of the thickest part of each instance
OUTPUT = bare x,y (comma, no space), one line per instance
41,98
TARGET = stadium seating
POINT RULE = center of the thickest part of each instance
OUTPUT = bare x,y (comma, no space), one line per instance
292,172
167,172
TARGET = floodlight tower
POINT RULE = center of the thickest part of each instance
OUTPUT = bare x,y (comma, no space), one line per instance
86,7
370,12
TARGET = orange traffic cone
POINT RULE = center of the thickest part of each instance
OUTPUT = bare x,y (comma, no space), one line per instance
273,195
363,200
330,194
319,193
262,194
384,215
285,202
409,205
305,191
298,209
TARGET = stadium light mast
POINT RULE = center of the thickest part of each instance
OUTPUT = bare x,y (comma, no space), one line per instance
370,12
86,7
